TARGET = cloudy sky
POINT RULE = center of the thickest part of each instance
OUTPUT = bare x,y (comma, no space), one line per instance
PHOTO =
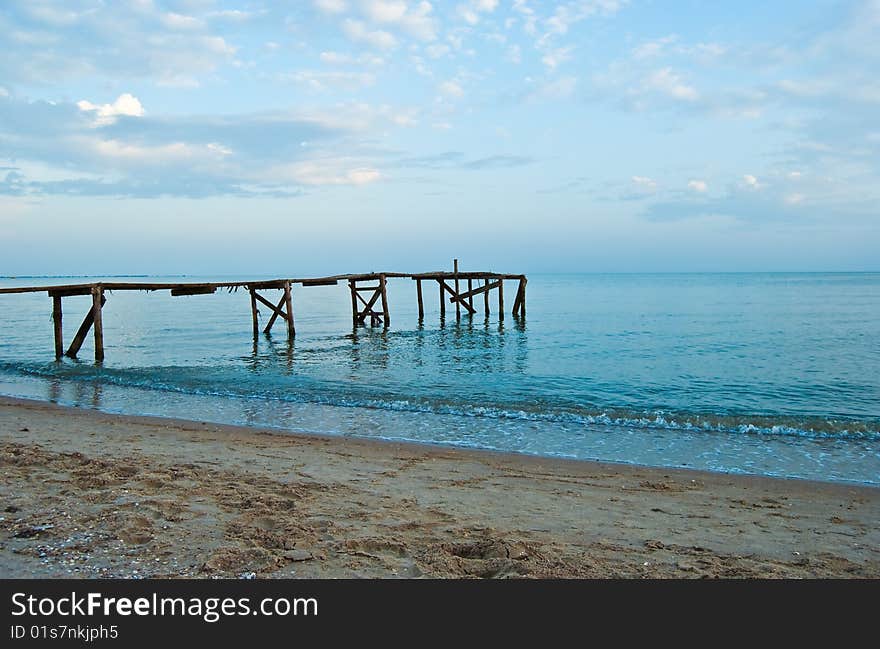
201,136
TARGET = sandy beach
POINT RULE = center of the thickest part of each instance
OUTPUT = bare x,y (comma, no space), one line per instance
88,494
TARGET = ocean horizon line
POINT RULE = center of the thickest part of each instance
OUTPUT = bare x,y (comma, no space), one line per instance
260,275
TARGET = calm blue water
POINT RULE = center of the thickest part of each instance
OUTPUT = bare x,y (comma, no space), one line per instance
775,374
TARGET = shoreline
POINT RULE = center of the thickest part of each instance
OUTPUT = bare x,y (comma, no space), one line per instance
127,495
380,442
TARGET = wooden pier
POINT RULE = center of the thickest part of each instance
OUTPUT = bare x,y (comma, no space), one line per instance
369,299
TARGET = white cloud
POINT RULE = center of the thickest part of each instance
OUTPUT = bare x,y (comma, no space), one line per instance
568,14
666,46
122,40
142,154
180,21
644,184
331,6
652,49
377,16
235,15
57,17
322,80
451,89
514,54
358,31
468,15
556,57
125,104
359,116
437,51
699,186
751,181
324,172
416,20
385,11
363,176
561,88
337,58
407,118
667,82
470,12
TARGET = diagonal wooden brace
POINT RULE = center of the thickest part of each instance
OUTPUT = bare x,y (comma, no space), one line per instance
368,306
83,330
476,291
456,298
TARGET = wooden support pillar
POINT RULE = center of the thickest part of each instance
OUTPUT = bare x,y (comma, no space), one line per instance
97,316
457,305
419,294
56,319
254,313
288,303
385,313
442,299
84,328
519,305
501,299
354,302
471,296
486,296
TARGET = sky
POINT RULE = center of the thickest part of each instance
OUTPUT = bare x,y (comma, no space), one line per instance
326,136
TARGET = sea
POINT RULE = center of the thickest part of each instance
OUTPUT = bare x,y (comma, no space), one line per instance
774,374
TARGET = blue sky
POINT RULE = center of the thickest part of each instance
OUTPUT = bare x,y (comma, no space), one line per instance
195,136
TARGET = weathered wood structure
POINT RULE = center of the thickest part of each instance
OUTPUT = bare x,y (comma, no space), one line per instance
369,299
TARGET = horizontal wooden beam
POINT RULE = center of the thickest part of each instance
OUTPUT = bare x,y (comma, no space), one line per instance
71,291
85,288
193,290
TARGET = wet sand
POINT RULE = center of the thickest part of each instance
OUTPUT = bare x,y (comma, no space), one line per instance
88,494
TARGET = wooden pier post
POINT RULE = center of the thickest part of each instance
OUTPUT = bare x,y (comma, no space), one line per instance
457,305
288,303
419,293
56,319
486,297
98,318
254,313
442,299
519,305
385,314
501,299
354,302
